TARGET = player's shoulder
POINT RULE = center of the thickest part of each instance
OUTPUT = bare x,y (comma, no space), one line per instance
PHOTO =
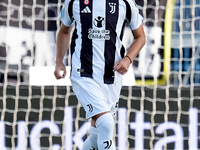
66,2
133,5
131,2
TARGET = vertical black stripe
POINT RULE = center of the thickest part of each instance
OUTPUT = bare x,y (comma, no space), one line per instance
74,36
70,9
128,11
110,48
73,41
122,32
86,51
122,51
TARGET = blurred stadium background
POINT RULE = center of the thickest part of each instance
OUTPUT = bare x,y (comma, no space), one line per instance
158,110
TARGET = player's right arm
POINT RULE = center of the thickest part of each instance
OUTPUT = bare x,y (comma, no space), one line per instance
62,45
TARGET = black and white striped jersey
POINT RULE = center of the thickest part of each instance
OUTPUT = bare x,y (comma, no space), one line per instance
97,38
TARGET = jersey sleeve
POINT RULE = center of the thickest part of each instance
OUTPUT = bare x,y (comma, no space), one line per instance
64,14
136,18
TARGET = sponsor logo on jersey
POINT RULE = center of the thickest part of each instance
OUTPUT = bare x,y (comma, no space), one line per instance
86,10
99,21
99,34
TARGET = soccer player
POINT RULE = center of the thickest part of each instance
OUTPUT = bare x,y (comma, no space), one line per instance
95,30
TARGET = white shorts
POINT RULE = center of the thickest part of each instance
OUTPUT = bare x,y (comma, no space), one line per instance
96,97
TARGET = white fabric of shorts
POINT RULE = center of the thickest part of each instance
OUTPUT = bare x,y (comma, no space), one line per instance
96,97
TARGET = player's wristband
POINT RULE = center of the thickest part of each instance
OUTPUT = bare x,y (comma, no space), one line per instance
128,58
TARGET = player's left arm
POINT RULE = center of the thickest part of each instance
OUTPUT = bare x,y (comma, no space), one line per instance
122,65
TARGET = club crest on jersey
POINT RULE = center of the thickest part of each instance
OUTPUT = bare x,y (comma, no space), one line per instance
86,2
112,7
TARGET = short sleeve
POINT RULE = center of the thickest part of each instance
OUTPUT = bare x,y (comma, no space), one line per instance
136,18
64,14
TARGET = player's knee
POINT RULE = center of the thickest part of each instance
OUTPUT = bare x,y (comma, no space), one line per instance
105,123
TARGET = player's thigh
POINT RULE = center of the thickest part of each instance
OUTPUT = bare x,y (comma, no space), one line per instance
90,94
114,90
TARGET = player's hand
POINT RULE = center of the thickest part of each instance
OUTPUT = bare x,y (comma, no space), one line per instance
60,67
122,66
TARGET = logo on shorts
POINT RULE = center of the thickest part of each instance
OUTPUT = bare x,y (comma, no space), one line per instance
90,107
108,144
116,105
93,148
